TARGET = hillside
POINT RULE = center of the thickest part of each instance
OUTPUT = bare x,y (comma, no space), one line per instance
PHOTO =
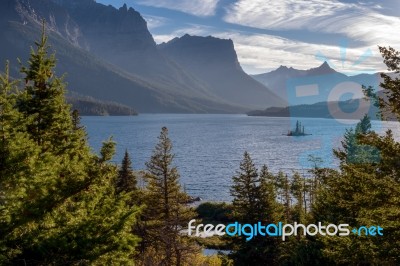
91,74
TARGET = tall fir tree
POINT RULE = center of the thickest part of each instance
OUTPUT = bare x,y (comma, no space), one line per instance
245,190
167,212
353,150
58,203
126,180
367,194
253,202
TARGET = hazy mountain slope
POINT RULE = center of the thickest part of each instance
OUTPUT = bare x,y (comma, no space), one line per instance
121,37
88,75
215,62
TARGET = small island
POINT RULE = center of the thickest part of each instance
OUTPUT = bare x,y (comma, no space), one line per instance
299,131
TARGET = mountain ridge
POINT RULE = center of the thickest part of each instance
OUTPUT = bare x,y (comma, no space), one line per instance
281,79
215,61
92,75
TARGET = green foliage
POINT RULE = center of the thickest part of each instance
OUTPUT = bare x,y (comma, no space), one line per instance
166,213
253,201
126,180
58,204
388,104
366,193
353,150
245,190
211,212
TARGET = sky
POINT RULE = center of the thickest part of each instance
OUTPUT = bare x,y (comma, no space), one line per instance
295,33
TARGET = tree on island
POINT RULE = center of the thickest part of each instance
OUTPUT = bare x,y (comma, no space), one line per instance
298,131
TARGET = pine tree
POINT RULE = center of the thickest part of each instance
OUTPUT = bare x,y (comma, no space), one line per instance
353,150
268,208
245,190
253,201
167,213
127,180
58,203
388,104
297,190
76,120
369,193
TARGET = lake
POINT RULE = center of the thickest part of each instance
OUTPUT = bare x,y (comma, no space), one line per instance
209,148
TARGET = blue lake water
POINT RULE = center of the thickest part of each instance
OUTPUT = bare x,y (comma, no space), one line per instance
209,148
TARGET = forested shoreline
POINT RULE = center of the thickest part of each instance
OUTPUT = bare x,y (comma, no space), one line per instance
62,204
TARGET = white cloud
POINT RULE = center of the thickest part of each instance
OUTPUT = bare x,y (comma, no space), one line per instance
191,29
160,38
202,8
154,22
359,22
285,14
259,53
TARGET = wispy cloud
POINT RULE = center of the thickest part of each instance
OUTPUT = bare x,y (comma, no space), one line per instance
202,8
285,14
360,22
259,53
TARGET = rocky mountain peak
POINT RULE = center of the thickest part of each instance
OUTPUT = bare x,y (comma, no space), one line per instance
324,68
210,50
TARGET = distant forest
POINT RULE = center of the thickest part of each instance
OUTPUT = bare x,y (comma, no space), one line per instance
89,106
322,110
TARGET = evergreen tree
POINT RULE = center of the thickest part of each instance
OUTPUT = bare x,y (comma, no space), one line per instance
245,190
167,213
282,184
369,193
297,190
127,180
268,208
76,120
58,204
253,202
353,150
388,104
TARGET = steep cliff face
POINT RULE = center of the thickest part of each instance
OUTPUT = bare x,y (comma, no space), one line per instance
121,37
109,30
215,61
32,13
109,54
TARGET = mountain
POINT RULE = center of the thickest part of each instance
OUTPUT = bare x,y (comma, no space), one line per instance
120,36
215,62
107,53
282,80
